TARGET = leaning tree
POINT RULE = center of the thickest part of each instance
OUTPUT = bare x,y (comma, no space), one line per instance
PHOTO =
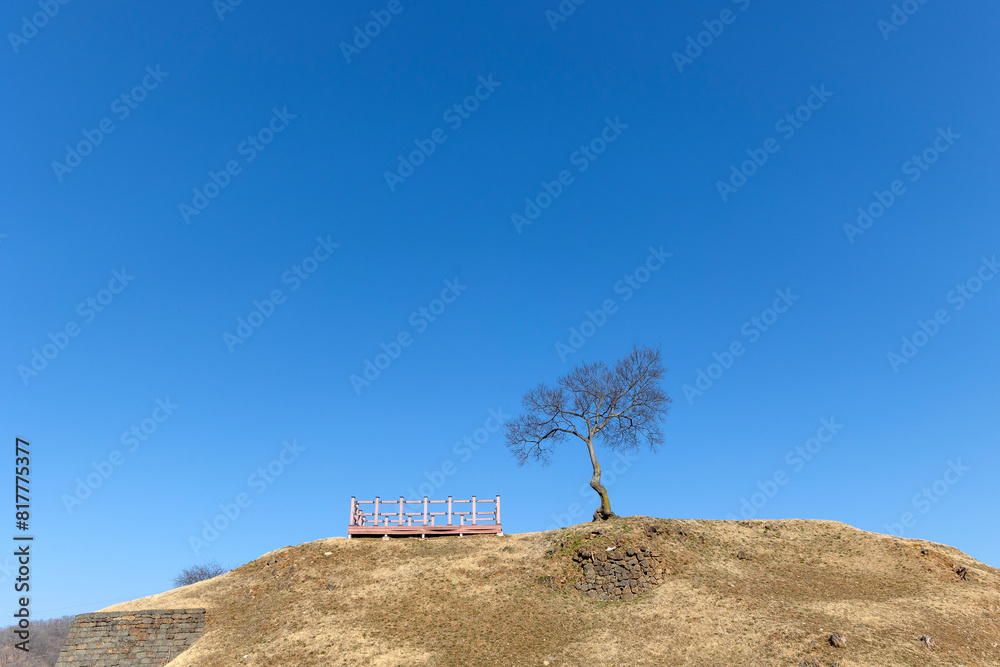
619,407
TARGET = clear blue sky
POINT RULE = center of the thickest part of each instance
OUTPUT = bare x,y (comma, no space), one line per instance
287,136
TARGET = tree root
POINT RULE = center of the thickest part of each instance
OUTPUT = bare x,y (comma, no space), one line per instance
601,515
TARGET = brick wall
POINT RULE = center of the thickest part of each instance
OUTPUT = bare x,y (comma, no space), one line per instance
149,638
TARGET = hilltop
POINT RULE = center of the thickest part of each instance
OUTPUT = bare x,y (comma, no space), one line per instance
717,593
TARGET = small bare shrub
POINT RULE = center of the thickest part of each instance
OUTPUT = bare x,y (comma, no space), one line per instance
197,573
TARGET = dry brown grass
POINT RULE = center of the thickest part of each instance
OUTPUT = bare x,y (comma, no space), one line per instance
481,601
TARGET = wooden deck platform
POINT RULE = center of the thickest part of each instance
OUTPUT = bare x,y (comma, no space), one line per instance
389,518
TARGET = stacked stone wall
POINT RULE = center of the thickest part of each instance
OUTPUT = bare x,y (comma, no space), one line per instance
149,638
621,573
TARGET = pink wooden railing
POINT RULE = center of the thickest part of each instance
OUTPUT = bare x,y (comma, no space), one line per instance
476,514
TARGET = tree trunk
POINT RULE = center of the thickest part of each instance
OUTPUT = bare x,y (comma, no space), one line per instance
602,513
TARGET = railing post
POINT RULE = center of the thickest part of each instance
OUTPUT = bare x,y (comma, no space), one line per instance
401,510
473,510
376,510
449,510
425,510
498,510
350,522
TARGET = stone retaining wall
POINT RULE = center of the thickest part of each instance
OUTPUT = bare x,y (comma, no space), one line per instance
621,573
149,638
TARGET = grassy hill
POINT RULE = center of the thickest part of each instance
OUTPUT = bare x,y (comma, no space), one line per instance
732,593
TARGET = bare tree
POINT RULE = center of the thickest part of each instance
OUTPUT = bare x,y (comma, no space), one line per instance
621,407
47,638
197,573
